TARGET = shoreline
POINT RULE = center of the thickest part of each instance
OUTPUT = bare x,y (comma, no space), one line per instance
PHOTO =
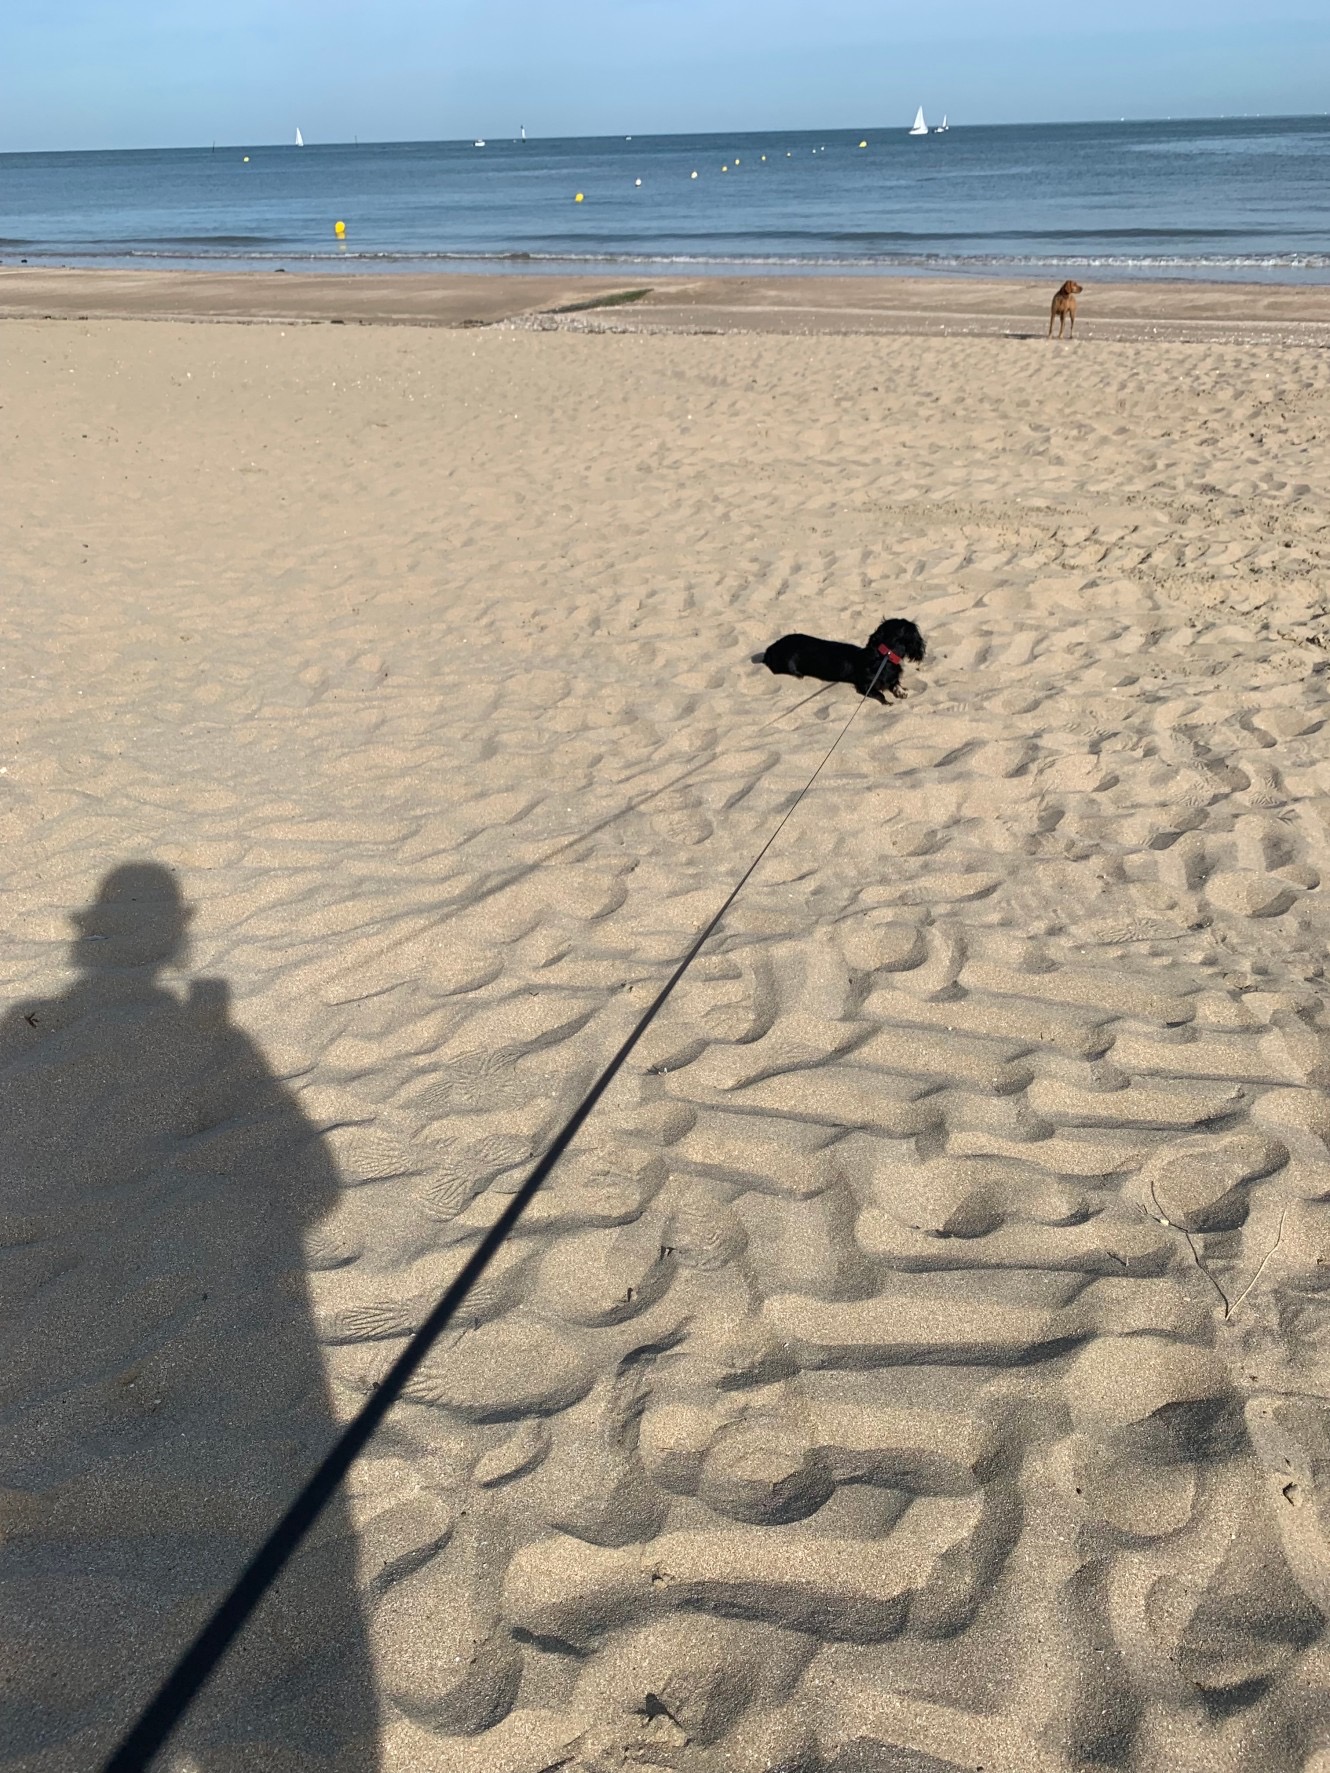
1169,310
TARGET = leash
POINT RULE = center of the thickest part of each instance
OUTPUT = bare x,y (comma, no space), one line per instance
177,1692
821,690
523,870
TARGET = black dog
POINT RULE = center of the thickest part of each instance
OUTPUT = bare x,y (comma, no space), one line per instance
871,669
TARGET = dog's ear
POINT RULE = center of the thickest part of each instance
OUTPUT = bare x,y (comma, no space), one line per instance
902,637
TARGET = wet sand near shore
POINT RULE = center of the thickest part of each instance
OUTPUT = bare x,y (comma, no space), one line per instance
996,307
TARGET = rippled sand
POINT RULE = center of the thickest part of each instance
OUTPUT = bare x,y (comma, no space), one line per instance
918,1361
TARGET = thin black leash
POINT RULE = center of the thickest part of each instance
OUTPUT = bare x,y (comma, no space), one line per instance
169,1704
524,870
821,690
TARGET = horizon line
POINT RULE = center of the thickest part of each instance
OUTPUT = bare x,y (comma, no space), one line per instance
889,130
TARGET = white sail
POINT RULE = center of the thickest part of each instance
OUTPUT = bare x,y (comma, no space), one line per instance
300,140
942,127
920,127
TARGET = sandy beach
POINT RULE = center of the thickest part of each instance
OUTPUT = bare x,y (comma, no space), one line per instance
996,307
917,1364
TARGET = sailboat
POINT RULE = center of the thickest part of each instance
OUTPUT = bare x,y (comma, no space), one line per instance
943,126
300,140
524,132
919,127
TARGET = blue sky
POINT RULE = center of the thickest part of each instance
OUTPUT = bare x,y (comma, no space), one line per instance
158,73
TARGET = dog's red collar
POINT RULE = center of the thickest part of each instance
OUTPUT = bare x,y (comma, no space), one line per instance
895,658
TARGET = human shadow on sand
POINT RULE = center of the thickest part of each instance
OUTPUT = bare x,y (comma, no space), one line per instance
162,1396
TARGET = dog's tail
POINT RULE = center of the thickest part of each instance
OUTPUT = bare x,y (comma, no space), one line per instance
758,659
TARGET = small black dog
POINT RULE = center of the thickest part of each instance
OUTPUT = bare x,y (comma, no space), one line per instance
889,645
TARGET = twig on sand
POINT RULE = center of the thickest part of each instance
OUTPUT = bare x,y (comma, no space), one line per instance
1230,1306
1264,1259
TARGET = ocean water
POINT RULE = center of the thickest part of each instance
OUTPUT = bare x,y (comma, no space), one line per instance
1244,198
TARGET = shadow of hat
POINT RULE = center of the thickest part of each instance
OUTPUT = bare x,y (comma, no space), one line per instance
137,919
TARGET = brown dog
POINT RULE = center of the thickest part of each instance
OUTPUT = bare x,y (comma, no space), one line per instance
1064,309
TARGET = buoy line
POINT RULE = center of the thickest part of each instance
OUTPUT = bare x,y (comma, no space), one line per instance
181,1687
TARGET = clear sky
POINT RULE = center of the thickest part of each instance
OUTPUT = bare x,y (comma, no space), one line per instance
160,73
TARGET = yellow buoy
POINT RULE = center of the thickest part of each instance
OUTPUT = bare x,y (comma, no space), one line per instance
579,198
736,159
764,157
339,228
637,181
246,159
863,144
724,169
692,175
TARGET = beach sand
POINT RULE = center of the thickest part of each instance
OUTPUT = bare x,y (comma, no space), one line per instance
1204,313
917,1362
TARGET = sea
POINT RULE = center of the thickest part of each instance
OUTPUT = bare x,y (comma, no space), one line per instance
1245,198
